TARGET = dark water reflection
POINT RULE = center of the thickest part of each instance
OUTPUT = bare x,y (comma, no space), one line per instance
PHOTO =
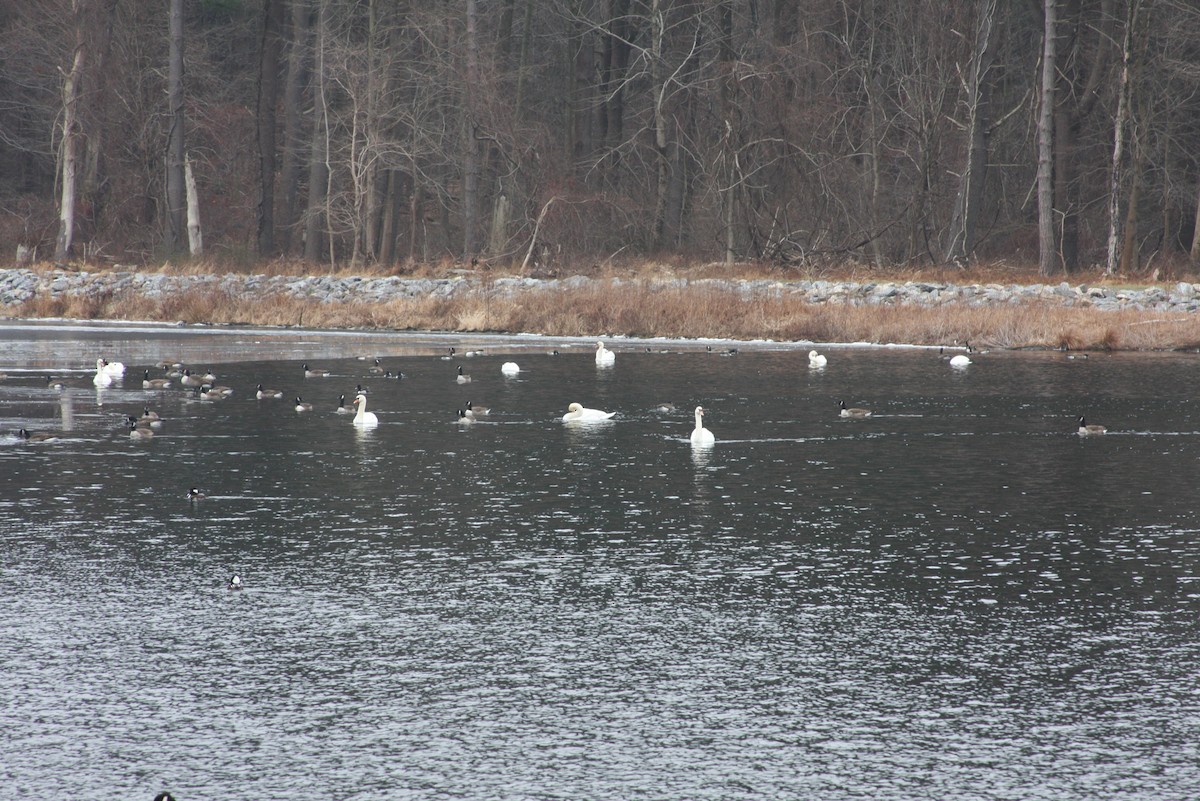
959,598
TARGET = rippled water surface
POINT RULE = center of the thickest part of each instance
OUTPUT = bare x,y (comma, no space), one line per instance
958,598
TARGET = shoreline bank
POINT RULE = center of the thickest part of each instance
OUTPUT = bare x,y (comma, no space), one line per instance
1057,315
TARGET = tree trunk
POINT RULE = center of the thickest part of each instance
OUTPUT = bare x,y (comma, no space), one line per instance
471,149
1048,262
318,152
176,188
70,139
1116,176
1194,252
299,59
270,47
195,235
978,96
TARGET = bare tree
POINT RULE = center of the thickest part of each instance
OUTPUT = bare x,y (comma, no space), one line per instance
176,184
270,51
1048,261
70,134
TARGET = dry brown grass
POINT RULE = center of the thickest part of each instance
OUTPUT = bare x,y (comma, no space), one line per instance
650,309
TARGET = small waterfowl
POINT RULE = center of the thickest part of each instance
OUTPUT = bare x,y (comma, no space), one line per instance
1090,430
510,368
235,582
267,394
139,432
39,436
701,436
308,373
341,407
396,375
154,383
102,378
665,407
854,412
363,418
816,359
604,355
577,413
195,495
478,411
301,406
463,378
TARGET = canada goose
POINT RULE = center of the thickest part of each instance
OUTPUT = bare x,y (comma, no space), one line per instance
577,413
54,383
604,355
139,432
150,418
816,359
463,378
195,495
341,407
40,436
101,379
1086,430
478,411
397,375
314,373
189,380
465,416
209,377
164,797
448,356
665,406
471,354
168,364
301,406
154,383
376,368
701,436
854,412
211,393
363,418
265,394
235,582
510,368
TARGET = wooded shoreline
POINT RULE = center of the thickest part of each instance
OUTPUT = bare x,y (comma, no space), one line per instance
880,310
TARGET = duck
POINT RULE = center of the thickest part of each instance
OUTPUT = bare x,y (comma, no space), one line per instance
265,394
816,359
853,411
139,432
40,436
510,368
463,378
604,355
101,379
1090,430
478,411
154,383
363,418
301,406
235,582
701,436
341,407
314,373
114,369
577,413
195,495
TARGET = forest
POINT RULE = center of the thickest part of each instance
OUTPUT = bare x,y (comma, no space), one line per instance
546,135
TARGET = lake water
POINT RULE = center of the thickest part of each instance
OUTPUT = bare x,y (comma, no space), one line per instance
958,598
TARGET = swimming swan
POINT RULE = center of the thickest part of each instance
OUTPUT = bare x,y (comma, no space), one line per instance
855,412
1086,430
959,361
363,418
701,436
604,355
510,368
101,379
816,359
114,369
576,413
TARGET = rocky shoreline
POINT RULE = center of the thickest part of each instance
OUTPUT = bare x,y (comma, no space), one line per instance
18,286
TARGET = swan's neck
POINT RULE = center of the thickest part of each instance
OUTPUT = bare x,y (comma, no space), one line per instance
362,409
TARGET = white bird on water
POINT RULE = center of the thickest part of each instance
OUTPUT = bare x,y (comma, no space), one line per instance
510,368
604,356
576,413
363,418
701,436
102,378
816,359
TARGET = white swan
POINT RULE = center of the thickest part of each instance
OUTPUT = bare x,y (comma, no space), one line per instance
959,361
604,355
363,418
1086,430
101,379
510,368
577,413
701,436
816,359
114,369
